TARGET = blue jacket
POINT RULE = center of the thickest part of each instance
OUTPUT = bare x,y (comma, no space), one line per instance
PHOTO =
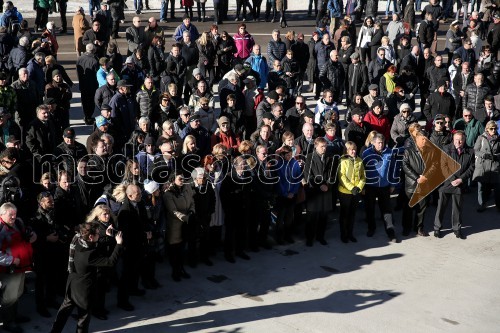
259,64
180,30
290,175
379,168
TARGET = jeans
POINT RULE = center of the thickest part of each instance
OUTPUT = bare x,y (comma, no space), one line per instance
418,5
465,8
138,5
94,4
448,8
395,7
164,9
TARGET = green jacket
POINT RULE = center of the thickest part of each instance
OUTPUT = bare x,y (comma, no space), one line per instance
472,130
47,4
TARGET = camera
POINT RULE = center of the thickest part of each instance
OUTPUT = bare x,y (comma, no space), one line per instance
113,232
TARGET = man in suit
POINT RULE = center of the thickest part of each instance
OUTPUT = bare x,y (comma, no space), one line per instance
454,186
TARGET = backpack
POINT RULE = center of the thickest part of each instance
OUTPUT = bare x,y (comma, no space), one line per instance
13,25
10,189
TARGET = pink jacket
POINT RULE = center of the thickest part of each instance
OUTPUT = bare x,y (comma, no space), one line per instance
244,44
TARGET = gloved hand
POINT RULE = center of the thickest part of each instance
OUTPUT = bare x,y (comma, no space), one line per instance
488,156
355,190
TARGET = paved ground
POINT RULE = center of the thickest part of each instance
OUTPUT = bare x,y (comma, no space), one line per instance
418,285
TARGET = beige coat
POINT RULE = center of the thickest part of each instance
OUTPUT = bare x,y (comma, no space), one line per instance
80,25
178,205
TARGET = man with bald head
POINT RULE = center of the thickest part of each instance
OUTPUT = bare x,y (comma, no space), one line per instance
132,222
412,58
332,76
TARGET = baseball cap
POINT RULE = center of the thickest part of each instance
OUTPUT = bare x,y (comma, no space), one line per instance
69,133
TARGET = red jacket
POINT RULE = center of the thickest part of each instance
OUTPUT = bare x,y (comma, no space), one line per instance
14,246
380,124
229,140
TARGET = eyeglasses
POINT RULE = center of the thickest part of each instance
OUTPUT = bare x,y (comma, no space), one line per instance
439,123
7,162
492,128
406,111
204,104
185,114
224,124
467,116
299,103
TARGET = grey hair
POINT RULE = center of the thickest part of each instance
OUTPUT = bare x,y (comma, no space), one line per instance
109,137
144,120
197,172
378,136
22,70
24,41
39,56
6,207
232,76
186,33
276,30
90,48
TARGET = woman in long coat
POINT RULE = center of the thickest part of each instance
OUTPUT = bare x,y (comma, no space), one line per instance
80,25
179,204
487,168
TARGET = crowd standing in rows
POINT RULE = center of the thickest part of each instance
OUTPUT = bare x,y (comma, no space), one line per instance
169,173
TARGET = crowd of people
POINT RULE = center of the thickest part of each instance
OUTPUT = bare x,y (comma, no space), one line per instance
201,142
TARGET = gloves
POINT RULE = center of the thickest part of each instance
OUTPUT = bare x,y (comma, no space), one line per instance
355,190
488,156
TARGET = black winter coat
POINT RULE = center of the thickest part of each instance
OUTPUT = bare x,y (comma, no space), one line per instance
466,161
332,76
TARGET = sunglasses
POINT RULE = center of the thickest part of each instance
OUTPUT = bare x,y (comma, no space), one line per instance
439,123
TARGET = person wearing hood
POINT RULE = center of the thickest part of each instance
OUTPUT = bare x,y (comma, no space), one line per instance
324,105
50,35
402,121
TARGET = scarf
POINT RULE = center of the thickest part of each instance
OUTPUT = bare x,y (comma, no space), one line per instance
389,83
72,250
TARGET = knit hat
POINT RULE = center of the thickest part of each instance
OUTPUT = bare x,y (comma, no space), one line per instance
273,95
196,71
404,106
150,186
356,111
101,121
55,72
223,120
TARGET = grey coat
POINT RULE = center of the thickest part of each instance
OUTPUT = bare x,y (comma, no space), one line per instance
487,170
179,205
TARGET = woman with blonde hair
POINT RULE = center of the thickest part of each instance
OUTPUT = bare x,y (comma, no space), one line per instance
390,54
105,218
190,158
290,39
352,179
133,174
368,142
207,54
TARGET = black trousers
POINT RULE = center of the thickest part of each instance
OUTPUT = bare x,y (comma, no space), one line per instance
175,257
270,6
88,105
42,17
102,285
217,13
413,217
235,233
348,205
456,210
63,6
285,207
65,311
256,9
383,194
315,225
130,272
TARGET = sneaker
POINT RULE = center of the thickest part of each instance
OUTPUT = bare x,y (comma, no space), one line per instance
481,209
163,21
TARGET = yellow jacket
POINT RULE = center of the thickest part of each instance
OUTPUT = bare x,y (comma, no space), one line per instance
351,173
